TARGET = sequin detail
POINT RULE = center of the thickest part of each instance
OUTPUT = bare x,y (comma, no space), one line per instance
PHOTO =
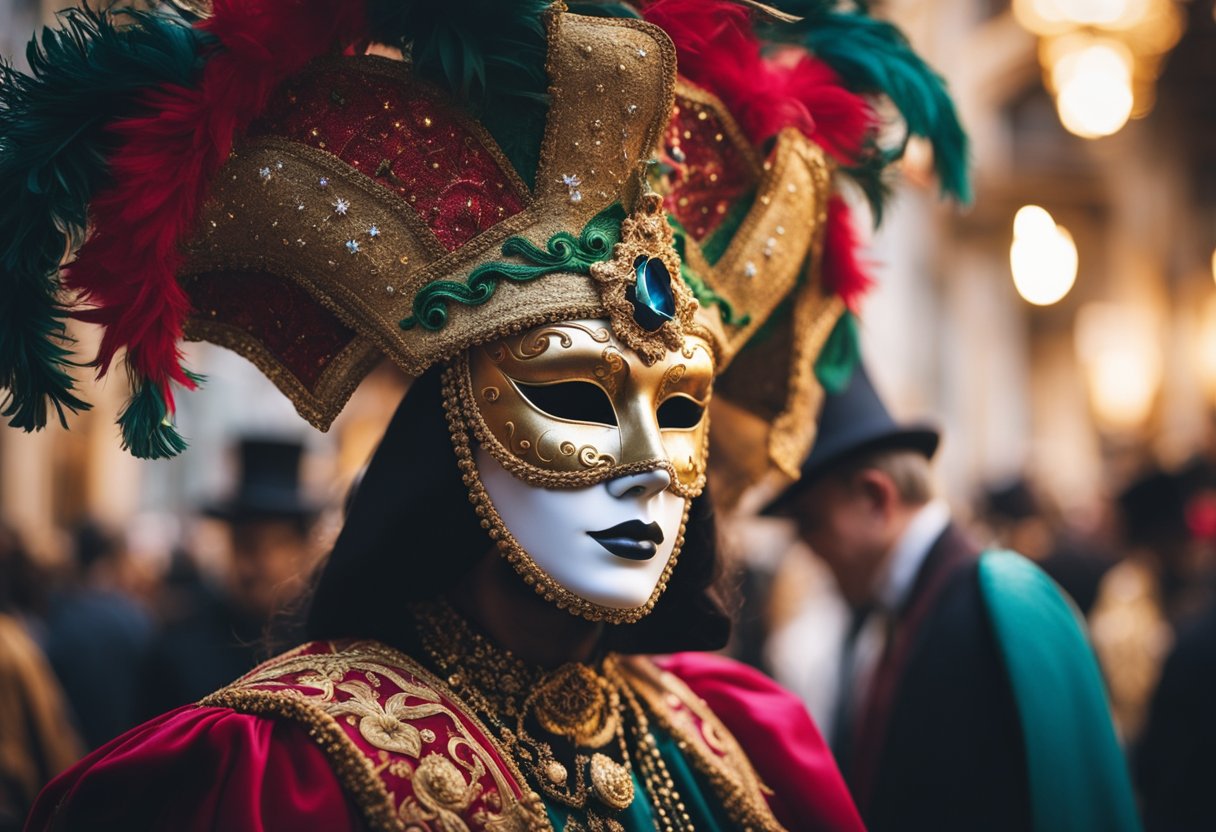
711,173
406,139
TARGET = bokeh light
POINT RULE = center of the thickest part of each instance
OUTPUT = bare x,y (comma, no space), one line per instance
1043,257
1093,82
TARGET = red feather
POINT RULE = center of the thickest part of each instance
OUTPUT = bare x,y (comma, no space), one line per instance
161,170
718,50
843,271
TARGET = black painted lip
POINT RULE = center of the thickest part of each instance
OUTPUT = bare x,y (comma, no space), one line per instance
633,539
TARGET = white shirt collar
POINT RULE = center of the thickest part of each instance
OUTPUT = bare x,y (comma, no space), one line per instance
910,551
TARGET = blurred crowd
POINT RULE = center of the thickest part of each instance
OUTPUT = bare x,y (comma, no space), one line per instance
103,640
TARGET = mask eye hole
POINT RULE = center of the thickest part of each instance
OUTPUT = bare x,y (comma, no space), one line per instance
575,401
680,413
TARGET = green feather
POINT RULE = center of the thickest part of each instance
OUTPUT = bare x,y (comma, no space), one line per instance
146,430
871,177
840,355
873,57
489,53
53,148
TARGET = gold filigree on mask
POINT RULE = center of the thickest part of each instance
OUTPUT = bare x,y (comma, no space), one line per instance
568,405
455,388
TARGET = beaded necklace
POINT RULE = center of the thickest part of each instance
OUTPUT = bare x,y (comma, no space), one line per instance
569,728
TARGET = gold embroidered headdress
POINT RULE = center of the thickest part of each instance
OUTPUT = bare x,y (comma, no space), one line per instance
774,120
508,209
250,175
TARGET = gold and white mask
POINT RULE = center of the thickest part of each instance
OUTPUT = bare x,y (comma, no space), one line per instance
582,458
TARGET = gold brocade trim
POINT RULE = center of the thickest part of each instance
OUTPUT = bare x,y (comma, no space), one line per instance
439,788
318,406
710,746
770,250
509,692
645,235
509,547
792,433
352,767
563,726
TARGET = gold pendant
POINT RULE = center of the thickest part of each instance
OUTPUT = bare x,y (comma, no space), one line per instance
574,703
611,782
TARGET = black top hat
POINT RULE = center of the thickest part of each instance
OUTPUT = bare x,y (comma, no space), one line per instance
269,485
851,423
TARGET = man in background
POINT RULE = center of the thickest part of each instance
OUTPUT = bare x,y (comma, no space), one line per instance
969,698
218,634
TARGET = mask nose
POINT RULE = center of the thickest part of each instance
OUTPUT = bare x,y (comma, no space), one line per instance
639,486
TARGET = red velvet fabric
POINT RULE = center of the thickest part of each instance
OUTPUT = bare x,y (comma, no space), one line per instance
197,769
781,741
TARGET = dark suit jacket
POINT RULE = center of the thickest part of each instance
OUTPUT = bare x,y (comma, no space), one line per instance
1176,763
939,744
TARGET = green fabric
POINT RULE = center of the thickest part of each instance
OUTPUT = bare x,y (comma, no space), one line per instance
1077,773
704,809
563,253
840,355
705,296
720,239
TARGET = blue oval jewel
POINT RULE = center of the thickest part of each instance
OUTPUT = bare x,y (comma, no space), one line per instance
653,302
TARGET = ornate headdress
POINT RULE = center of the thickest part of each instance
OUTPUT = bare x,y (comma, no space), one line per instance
778,114
319,185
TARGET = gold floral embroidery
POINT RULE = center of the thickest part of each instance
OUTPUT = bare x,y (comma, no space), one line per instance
441,794
384,726
441,791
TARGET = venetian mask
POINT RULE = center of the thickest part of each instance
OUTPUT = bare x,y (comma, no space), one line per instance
582,459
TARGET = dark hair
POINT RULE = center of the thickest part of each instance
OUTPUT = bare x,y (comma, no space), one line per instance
411,534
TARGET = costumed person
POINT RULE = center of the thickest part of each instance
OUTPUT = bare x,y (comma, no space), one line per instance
273,177
1160,586
216,634
969,696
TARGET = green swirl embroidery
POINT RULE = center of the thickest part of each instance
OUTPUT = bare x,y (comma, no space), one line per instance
563,253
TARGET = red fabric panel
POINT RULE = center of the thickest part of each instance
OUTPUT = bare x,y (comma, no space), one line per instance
197,769
781,741
712,173
412,145
298,331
